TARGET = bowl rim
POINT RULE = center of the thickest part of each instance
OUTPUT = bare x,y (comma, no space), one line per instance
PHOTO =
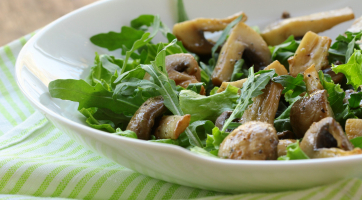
160,146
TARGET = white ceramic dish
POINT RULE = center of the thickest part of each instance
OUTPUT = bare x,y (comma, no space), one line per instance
63,50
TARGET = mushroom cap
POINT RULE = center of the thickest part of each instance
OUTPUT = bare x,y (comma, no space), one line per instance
327,133
251,141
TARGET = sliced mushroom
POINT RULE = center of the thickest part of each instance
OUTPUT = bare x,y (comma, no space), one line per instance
278,32
353,128
357,27
335,152
183,69
191,32
336,78
286,135
313,49
144,118
279,69
309,109
323,135
251,141
311,79
242,40
282,146
264,106
220,121
170,127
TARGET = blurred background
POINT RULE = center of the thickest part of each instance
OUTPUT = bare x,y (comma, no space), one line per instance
20,17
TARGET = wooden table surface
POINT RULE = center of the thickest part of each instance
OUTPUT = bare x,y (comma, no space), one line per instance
20,17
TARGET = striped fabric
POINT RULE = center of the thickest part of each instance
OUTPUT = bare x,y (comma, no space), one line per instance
37,161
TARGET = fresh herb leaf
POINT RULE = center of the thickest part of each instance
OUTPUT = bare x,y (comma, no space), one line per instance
344,46
196,87
251,88
105,125
285,50
355,100
142,21
202,152
214,90
296,84
181,12
357,142
237,72
352,69
202,107
91,96
113,40
213,141
294,152
126,133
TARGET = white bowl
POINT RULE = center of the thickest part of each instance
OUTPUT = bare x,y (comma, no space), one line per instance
62,50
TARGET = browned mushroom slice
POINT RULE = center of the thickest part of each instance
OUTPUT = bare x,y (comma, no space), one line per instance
336,78
191,33
309,109
170,127
242,40
323,135
335,152
264,106
183,69
353,128
282,146
144,118
251,141
238,84
313,49
278,32
357,27
311,79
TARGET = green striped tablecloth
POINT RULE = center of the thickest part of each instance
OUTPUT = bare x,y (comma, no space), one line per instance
38,161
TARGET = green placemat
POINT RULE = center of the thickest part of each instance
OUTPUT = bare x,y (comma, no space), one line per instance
38,161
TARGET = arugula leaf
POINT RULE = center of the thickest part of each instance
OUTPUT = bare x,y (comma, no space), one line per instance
352,69
119,120
167,89
285,50
142,21
357,142
343,48
113,40
202,128
202,107
91,96
126,133
106,125
251,88
214,90
296,84
181,12
237,72
165,141
294,152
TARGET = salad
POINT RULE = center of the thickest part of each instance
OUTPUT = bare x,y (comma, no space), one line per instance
284,93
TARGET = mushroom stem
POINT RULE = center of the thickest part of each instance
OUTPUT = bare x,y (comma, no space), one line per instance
170,127
311,79
313,49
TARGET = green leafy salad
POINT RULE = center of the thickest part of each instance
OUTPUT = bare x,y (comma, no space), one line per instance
245,96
